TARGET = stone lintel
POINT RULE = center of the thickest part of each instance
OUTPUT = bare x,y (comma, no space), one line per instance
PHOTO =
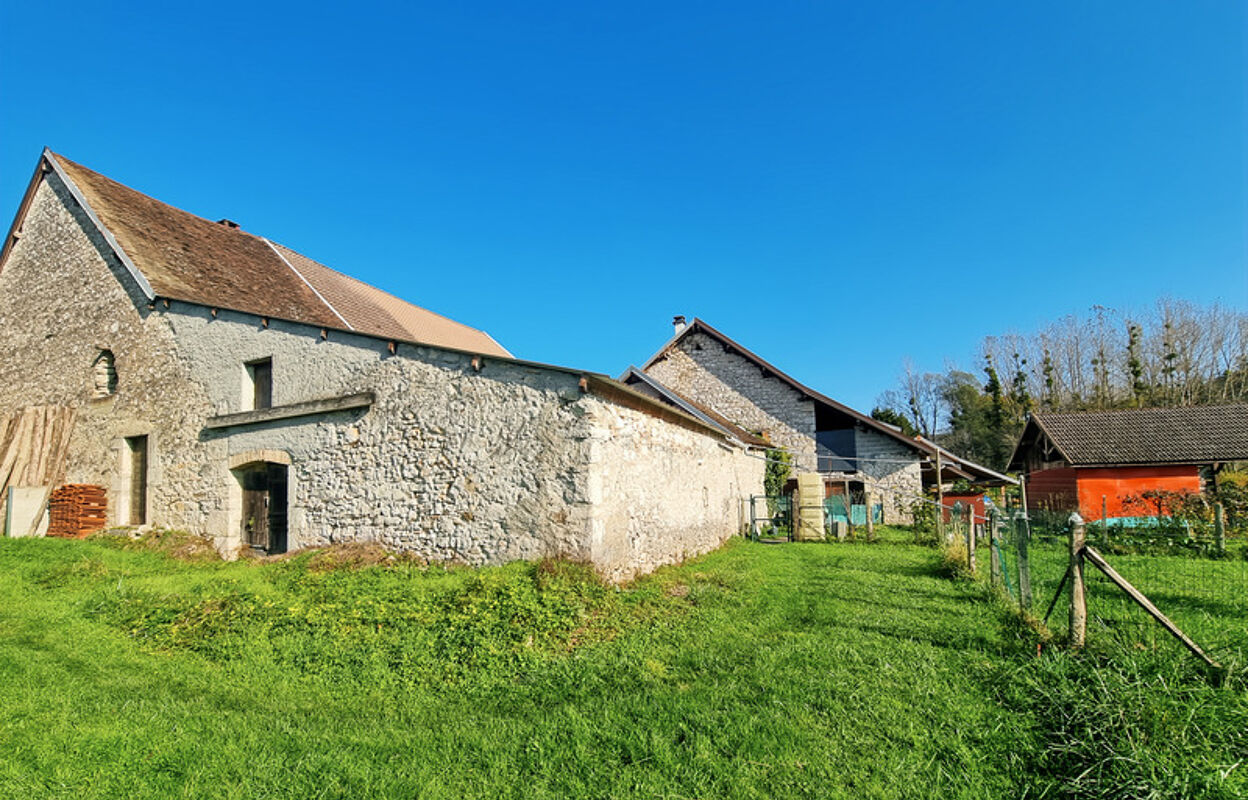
305,409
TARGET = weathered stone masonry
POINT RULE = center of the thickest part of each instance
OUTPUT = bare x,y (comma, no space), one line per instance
704,369
477,459
718,376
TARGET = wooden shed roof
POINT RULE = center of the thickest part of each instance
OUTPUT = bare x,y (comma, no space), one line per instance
1139,436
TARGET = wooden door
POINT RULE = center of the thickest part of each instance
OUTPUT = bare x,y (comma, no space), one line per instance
276,478
256,508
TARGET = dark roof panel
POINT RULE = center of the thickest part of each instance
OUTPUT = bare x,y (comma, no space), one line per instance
1189,435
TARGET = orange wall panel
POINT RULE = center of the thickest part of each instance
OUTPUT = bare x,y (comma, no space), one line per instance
1052,489
1116,483
975,499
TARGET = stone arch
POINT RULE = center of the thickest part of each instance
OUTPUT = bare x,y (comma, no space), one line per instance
104,375
257,456
261,499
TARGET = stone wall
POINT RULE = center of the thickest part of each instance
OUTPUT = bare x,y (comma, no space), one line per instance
891,472
450,462
661,492
479,462
703,370
64,298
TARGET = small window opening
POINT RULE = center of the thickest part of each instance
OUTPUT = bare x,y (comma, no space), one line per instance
136,450
104,373
260,375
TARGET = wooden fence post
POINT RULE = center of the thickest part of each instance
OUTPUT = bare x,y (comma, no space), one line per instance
1078,602
940,502
1219,527
994,558
970,539
1105,523
1021,536
866,498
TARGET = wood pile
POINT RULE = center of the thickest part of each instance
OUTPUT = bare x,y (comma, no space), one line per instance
76,510
34,445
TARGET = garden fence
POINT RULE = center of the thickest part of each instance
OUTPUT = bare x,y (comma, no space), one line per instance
1196,575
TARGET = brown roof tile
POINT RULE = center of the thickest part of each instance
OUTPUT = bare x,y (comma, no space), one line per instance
1190,435
189,258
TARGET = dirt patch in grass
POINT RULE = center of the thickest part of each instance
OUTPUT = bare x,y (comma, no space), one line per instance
358,555
177,544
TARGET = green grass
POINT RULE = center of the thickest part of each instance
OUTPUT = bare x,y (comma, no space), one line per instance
1206,597
839,670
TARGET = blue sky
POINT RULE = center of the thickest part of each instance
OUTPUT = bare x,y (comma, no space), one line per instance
838,186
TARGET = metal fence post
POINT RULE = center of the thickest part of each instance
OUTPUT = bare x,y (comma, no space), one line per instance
1021,535
1078,602
1219,527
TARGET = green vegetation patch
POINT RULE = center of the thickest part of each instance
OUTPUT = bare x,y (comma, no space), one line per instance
820,670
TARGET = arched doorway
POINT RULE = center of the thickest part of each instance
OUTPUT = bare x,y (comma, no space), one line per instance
265,490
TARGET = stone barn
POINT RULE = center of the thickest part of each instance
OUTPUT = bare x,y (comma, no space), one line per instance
212,380
872,462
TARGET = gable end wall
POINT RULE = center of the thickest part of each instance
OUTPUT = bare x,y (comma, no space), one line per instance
702,369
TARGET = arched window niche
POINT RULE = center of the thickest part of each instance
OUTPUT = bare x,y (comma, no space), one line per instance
104,375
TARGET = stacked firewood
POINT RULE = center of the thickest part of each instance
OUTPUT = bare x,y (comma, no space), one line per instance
76,510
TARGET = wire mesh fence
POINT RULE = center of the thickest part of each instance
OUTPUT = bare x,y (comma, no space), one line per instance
1196,576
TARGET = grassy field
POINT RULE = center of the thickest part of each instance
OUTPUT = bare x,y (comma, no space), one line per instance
849,670
1206,597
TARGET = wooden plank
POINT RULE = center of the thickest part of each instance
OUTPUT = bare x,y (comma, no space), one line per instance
68,419
39,446
1135,594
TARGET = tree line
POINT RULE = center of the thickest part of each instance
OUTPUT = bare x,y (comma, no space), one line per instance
1177,353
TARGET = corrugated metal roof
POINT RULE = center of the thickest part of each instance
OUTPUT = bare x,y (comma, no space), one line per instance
189,258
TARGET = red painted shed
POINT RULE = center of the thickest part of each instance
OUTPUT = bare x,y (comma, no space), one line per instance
1073,460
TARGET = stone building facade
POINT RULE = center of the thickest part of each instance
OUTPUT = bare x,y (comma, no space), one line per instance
822,435
222,420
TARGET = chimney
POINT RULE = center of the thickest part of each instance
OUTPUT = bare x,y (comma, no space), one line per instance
229,223
678,322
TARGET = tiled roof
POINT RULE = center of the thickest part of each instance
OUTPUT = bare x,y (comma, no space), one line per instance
1190,435
189,258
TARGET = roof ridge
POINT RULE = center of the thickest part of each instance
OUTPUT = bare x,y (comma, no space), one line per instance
1092,412
375,288
319,296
